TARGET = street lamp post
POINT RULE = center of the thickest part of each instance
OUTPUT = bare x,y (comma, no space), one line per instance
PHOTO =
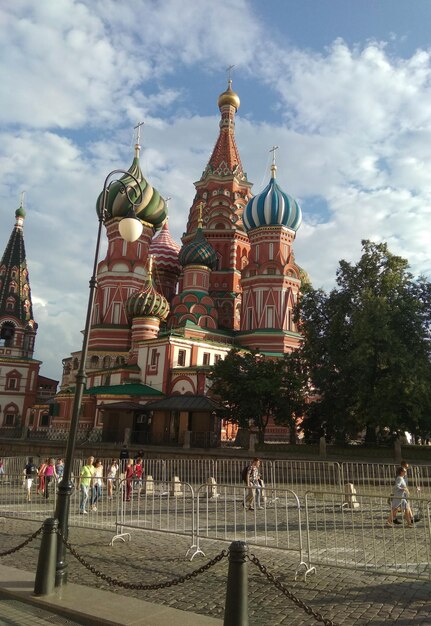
130,229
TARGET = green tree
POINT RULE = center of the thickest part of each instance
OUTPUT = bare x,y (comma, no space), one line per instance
251,389
367,347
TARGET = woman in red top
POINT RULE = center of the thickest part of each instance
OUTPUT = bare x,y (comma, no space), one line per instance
41,475
50,475
129,480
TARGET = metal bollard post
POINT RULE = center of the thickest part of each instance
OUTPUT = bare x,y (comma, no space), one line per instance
236,609
46,564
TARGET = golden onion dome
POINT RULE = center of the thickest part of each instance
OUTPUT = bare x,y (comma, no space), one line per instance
229,97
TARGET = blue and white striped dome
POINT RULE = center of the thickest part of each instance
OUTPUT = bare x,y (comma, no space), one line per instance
272,207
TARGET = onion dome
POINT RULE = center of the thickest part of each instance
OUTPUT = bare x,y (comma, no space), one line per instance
20,212
229,97
198,251
272,207
148,302
165,251
151,209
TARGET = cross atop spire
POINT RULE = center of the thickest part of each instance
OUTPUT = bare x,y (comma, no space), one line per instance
138,137
229,72
273,165
21,204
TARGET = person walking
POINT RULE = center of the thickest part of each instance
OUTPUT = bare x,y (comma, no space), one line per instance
138,473
97,484
59,468
111,477
86,477
399,500
41,480
30,471
254,486
50,475
129,480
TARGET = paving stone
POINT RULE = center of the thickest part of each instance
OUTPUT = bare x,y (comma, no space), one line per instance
347,597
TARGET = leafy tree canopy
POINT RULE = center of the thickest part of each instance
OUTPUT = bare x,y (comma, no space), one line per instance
252,388
367,347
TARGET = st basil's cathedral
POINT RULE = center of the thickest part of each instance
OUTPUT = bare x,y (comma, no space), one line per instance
163,313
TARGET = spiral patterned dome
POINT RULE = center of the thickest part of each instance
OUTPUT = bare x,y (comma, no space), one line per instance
272,207
164,249
198,252
148,302
152,208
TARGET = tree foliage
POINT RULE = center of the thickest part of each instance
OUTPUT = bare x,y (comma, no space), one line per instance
252,388
367,347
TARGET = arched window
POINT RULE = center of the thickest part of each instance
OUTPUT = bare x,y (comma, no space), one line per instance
44,420
10,304
107,361
10,416
6,334
75,363
94,362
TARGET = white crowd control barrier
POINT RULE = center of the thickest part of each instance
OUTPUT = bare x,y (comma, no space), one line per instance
360,539
14,502
14,497
301,476
170,510
271,522
192,471
375,478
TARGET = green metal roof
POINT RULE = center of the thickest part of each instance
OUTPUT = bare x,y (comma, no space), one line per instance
129,389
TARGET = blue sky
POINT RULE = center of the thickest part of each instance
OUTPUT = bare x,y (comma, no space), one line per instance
341,86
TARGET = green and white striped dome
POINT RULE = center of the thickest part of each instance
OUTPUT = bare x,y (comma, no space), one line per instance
152,207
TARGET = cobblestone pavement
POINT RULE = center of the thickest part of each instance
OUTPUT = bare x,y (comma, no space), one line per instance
344,596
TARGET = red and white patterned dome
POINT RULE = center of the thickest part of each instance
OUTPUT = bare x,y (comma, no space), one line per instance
165,251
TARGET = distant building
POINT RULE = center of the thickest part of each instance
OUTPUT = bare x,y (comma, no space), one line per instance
21,386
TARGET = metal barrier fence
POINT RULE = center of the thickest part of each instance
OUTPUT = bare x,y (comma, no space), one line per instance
155,506
223,514
331,528
378,477
298,475
18,499
358,537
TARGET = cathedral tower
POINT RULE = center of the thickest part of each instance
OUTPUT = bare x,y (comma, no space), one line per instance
19,380
270,280
224,190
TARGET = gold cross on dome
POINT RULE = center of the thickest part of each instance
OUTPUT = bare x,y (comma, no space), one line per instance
273,149
138,131
229,71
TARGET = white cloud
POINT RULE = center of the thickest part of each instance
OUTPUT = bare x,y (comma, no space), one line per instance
353,130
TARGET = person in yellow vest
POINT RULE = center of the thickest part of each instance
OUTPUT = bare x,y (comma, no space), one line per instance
86,478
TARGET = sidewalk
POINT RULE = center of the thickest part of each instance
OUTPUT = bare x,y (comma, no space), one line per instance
89,606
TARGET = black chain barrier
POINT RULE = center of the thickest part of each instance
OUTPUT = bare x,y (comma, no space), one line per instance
23,544
317,616
139,587
181,579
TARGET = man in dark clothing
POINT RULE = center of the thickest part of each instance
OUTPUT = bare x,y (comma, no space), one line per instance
30,471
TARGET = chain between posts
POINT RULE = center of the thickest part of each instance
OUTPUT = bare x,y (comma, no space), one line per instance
23,544
299,603
181,579
139,587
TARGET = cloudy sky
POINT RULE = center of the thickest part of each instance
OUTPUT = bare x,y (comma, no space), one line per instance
342,87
